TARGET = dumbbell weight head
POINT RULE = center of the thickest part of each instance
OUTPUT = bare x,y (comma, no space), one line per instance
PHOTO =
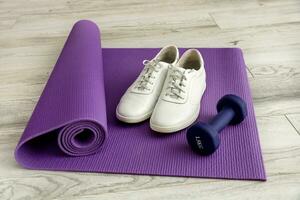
237,104
203,138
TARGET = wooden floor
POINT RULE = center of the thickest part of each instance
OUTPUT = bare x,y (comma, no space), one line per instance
32,33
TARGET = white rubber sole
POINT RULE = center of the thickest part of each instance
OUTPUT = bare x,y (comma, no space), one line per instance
132,120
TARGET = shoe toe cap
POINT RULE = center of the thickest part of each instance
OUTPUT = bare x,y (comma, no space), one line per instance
134,107
172,118
163,119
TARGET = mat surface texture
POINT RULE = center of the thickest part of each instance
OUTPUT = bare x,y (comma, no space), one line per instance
74,127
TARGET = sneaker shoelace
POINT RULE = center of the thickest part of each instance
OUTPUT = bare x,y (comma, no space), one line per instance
176,85
150,67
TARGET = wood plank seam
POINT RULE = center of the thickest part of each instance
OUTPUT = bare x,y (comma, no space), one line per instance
292,124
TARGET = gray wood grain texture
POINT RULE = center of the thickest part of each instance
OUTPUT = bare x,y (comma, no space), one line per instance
33,32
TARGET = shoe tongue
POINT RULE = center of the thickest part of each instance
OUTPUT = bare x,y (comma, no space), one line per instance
164,63
176,67
181,69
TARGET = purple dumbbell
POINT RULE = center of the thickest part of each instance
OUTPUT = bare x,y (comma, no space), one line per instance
204,137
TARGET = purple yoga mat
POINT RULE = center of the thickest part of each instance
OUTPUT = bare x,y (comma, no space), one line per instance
74,128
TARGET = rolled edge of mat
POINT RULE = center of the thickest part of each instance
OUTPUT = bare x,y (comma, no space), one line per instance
74,96
81,138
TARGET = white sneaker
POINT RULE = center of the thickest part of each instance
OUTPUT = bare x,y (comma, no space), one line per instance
179,103
139,100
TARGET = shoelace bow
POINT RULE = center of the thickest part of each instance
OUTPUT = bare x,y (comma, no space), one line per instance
145,79
176,85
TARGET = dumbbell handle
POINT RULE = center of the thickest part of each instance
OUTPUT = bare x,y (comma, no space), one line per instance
222,119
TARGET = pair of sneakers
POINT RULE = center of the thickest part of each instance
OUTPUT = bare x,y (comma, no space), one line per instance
168,90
